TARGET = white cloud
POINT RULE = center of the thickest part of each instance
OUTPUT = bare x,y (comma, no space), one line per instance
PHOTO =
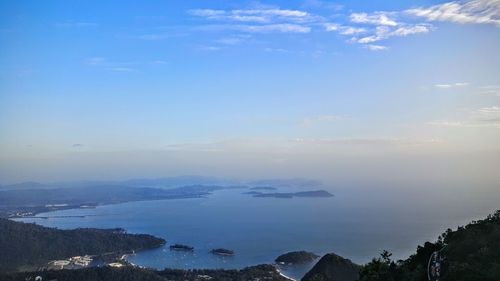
493,90
485,117
254,28
272,28
365,28
253,15
378,18
317,4
488,114
465,12
372,47
368,141
153,36
207,13
332,26
349,30
409,30
444,123
448,86
385,32
344,30
210,48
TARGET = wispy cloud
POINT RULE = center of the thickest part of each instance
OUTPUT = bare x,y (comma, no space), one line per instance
344,30
369,141
362,27
485,117
318,4
265,28
493,90
384,32
464,12
349,30
454,85
445,123
253,15
209,48
282,27
376,48
153,36
378,18
488,114
159,62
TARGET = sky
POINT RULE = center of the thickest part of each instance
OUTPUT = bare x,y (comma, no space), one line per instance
336,90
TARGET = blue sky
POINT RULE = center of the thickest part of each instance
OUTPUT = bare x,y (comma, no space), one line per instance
211,86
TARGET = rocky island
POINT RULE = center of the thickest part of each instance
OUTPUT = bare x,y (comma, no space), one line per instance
298,257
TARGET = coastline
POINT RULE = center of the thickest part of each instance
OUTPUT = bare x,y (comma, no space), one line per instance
283,275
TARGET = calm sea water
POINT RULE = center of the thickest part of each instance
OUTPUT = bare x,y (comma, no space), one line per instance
357,226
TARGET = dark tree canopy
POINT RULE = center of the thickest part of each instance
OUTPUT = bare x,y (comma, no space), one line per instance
472,253
23,244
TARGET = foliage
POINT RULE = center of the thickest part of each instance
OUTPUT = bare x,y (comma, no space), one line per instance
260,272
472,253
24,244
332,267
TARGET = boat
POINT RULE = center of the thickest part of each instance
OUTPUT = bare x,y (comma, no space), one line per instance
180,247
222,252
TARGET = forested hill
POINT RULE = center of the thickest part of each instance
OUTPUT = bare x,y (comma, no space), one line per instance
259,272
24,244
471,253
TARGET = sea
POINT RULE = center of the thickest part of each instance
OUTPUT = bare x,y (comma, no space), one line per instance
357,225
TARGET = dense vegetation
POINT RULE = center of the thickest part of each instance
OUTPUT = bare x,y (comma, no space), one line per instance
472,253
333,268
31,245
261,272
296,257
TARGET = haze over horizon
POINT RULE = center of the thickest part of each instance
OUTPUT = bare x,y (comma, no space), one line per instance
341,91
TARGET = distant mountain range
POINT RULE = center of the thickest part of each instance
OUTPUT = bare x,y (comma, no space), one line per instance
168,182
30,198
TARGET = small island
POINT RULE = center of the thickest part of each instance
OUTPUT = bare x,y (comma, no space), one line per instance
222,252
298,257
181,247
288,195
